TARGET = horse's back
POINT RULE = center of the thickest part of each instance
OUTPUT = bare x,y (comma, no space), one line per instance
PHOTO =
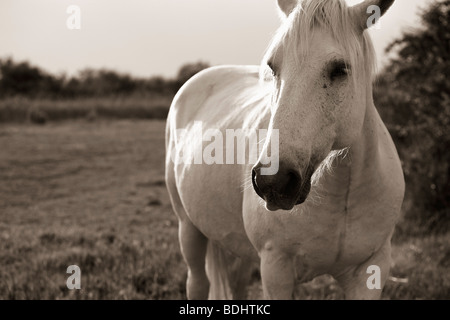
210,95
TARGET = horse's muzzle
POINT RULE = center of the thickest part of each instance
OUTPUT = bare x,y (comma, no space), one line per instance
281,191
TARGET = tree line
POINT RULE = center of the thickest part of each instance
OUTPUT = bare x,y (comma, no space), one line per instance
27,80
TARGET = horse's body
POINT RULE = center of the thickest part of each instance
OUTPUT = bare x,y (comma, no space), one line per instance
344,227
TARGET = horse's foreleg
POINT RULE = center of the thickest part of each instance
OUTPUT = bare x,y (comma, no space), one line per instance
277,274
193,247
366,281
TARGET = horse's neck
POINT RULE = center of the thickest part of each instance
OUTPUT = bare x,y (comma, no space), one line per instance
358,167
364,152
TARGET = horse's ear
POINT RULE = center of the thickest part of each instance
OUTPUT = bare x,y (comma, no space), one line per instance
368,12
287,6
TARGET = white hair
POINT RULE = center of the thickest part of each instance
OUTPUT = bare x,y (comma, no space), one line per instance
333,16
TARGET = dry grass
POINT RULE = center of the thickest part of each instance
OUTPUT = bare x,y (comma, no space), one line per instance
92,194
19,109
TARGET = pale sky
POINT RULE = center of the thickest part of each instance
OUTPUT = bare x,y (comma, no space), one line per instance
155,37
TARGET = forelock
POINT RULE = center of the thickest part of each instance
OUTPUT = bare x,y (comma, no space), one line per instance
332,16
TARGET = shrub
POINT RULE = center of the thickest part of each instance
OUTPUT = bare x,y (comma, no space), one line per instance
413,95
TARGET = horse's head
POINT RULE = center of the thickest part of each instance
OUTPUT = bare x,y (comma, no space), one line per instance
321,65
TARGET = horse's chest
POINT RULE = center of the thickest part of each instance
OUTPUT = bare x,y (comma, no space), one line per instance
343,237
321,236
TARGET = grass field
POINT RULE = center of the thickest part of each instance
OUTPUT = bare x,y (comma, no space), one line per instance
92,194
25,110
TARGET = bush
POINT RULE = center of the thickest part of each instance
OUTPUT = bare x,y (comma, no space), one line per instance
413,96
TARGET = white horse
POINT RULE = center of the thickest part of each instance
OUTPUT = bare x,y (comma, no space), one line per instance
332,205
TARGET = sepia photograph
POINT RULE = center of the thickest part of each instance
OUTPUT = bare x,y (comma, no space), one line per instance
225,150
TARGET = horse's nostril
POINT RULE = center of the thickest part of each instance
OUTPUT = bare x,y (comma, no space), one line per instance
254,177
255,183
293,182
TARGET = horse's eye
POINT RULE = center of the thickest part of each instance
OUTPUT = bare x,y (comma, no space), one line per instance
339,70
